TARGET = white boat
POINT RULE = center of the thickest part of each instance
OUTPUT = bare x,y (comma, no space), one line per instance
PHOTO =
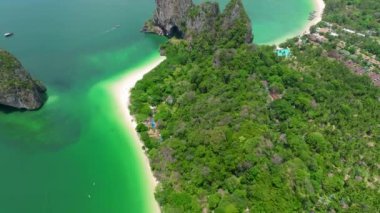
8,34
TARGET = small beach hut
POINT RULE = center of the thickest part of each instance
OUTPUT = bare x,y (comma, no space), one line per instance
283,52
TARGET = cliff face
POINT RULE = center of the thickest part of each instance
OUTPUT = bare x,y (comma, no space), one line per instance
236,20
202,18
17,88
169,17
181,18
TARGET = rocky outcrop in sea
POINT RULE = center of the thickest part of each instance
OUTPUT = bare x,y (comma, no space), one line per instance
17,88
169,17
184,19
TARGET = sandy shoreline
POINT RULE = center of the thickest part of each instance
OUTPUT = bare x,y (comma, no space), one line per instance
319,7
121,91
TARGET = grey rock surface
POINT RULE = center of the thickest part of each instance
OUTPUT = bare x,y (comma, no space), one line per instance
17,88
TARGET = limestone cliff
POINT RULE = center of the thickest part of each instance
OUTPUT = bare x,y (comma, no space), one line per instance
182,18
202,18
236,22
169,17
17,88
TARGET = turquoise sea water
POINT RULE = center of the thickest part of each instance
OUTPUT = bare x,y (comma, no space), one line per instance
274,20
74,155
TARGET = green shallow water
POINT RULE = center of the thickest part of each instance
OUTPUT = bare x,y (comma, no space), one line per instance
74,155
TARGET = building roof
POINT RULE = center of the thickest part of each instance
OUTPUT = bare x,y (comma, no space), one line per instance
348,30
283,52
323,30
315,37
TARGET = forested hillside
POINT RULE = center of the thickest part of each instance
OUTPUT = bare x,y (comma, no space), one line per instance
226,144
238,129
357,14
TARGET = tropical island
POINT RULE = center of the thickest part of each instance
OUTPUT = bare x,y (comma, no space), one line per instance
230,126
218,123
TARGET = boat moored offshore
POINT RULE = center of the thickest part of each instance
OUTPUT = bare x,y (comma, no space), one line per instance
8,34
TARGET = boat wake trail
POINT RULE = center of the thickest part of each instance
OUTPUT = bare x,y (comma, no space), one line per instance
112,29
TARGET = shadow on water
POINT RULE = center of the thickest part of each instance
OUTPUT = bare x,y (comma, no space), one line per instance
49,135
8,110
43,141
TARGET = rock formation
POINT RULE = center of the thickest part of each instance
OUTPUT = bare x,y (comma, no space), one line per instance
202,18
169,16
17,88
183,19
234,18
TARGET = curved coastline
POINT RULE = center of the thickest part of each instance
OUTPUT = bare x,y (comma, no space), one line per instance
121,91
319,7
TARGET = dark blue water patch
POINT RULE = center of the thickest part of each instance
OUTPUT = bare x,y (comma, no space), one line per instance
8,110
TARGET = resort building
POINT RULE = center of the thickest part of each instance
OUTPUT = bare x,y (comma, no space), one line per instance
315,37
323,30
348,31
360,34
283,52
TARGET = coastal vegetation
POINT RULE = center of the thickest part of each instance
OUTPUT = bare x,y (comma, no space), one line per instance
259,134
230,127
361,16
17,88
358,14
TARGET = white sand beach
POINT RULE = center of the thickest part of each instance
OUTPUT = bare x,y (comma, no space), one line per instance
319,7
121,90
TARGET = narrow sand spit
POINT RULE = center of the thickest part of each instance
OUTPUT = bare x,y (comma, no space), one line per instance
121,90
